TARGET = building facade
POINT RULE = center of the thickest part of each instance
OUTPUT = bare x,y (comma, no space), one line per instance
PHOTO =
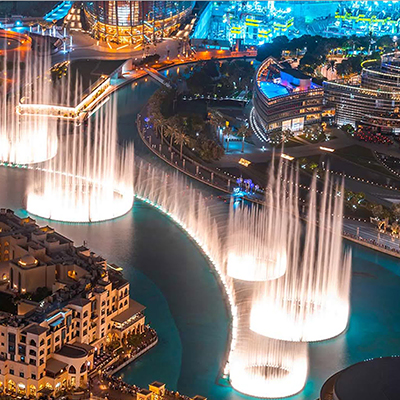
284,99
135,22
375,102
49,344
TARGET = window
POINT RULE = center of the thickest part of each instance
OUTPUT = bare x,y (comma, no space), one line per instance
48,342
78,324
21,374
32,361
57,339
126,302
32,343
21,350
41,361
23,339
32,353
85,332
11,372
72,370
85,314
103,321
33,376
42,342
85,323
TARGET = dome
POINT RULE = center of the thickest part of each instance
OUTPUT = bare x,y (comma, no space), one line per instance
27,261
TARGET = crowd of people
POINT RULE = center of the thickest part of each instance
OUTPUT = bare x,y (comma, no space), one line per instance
372,242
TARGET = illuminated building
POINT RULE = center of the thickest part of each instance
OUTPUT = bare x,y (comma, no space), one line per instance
135,22
375,102
50,346
360,18
284,99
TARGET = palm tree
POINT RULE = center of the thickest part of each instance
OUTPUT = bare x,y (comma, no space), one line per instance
180,139
331,65
172,129
216,120
159,123
227,133
244,131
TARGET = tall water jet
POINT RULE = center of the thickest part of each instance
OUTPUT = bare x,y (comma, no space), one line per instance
311,302
264,367
259,238
26,139
90,179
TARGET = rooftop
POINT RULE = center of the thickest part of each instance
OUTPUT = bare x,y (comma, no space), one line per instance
72,351
134,308
375,379
35,329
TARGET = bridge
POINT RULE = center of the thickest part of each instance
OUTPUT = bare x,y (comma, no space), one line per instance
158,77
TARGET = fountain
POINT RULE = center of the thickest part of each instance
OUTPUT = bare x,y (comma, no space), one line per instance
26,139
264,367
90,179
311,301
258,239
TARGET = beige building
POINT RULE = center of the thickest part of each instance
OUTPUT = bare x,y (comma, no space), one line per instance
49,344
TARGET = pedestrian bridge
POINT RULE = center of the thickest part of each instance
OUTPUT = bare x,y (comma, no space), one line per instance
158,77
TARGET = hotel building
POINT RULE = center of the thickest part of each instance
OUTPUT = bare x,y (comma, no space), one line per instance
284,99
82,303
134,22
375,101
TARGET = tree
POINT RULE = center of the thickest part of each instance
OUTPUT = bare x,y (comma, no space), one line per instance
377,211
180,139
331,65
210,151
172,127
244,131
396,211
227,134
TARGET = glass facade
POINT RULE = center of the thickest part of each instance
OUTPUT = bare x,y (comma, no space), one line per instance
376,102
134,21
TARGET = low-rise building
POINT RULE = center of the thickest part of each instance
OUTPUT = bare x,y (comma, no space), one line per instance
284,99
70,304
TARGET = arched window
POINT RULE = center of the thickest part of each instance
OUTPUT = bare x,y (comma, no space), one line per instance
83,368
32,390
32,343
11,386
72,370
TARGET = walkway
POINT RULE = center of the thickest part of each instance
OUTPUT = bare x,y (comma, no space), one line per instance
158,77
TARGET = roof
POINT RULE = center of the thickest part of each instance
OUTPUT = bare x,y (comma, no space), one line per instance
79,301
198,397
370,380
145,392
55,366
72,351
134,308
35,329
296,73
84,346
157,384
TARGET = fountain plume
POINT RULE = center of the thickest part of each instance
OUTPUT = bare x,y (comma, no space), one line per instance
311,301
90,179
26,139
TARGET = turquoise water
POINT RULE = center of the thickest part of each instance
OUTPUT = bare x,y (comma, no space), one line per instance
184,302
272,90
